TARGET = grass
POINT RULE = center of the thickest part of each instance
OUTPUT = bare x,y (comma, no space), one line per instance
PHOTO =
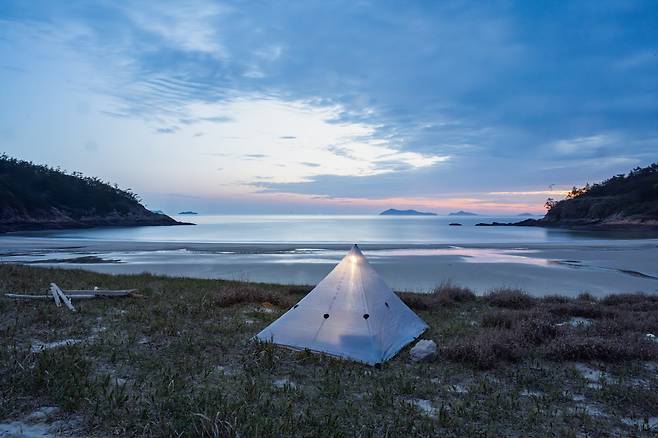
181,362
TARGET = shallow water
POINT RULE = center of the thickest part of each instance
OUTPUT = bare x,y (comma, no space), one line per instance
411,253
333,229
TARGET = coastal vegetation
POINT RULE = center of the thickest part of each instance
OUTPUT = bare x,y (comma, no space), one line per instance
622,200
35,196
181,361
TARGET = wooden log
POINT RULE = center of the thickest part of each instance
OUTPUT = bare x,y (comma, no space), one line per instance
100,292
64,298
47,297
29,297
55,295
77,294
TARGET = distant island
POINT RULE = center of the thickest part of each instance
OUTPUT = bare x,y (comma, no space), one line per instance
463,213
37,197
394,212
525,215
188,212
622,202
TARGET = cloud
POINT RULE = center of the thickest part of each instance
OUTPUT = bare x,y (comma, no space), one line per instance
415,99
584,145
556,192
213,119
188,26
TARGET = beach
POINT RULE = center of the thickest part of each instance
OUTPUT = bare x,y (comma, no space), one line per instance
542,262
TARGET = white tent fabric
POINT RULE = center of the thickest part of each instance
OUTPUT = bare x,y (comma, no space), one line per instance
351,314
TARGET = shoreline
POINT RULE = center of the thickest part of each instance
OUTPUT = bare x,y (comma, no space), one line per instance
598,267
649,227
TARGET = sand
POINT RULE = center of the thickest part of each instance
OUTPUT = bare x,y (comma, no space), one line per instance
599,267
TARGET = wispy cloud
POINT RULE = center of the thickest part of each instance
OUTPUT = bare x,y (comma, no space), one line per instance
168,130
531,193
420,99
584,145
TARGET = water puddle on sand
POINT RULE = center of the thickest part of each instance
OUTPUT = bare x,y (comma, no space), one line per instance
576,264
469,255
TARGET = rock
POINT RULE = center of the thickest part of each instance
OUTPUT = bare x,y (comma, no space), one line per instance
38,346
647,423
576,322
423,406
458,389
41,414
284,383
423,350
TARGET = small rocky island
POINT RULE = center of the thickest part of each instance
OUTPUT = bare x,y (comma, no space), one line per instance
37,197
462,213
188,212
394,212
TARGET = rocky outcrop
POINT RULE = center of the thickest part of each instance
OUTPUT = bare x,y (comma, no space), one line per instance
54,218
34,197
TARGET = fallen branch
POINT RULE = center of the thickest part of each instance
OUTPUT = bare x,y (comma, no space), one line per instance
64,298
77,294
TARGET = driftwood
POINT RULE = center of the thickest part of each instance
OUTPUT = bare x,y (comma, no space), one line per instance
55,295
63,296
59,295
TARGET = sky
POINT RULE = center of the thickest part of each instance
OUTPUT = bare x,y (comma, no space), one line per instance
332,107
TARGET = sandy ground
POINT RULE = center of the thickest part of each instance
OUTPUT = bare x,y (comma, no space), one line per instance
599,267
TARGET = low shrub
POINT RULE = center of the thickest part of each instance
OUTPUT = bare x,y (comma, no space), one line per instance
621,322
499,319
637,298
586,296
485,349
578,309
555,299
510,299
603,348
239,293
446,294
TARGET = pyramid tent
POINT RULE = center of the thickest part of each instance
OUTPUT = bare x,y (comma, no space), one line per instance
351,314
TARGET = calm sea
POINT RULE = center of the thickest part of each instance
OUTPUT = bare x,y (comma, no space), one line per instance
331,229
413,253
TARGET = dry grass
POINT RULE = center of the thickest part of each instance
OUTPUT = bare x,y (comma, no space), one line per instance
446,294
510,299
181,362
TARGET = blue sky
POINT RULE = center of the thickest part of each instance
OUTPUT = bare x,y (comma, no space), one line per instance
330,106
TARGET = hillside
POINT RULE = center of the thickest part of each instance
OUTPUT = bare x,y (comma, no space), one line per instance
35,197
620,201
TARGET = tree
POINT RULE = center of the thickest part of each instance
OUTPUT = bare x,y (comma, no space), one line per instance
550,203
